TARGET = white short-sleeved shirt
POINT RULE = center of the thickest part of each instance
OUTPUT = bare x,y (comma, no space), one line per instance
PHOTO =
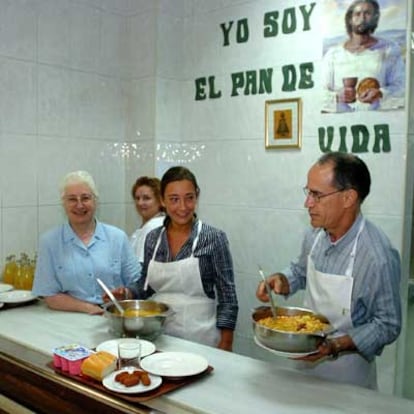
138,237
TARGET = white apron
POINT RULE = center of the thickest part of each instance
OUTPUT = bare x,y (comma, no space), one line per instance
330,295
179,285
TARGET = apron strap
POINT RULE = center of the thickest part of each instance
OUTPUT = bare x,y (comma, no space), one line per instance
196,238
315,242
350,267
157,245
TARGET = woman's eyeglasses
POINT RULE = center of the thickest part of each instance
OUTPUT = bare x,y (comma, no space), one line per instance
73,200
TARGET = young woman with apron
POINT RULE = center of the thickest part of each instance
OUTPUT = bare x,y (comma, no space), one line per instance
178,283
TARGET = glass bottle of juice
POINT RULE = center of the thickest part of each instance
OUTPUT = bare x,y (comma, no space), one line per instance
32,270
33,263
10,270
26,275
17,283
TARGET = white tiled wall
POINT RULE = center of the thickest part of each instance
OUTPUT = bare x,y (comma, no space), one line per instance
108,86
73,89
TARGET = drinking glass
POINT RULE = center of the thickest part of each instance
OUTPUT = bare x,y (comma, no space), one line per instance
129,353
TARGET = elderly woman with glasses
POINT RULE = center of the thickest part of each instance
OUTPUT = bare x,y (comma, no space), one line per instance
73,255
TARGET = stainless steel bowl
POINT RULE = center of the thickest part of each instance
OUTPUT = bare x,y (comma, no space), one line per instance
287,341
144,327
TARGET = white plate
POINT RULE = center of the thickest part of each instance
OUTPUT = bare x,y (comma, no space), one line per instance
17,296
147,347
5,287
110,383
174,364
284,354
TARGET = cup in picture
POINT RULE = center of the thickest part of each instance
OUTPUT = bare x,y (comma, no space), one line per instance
350,82
350,88
129,353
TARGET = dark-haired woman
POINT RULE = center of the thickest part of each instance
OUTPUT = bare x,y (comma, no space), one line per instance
188,265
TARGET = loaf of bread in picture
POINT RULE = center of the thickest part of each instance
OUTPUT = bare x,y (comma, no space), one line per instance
99,365
366,84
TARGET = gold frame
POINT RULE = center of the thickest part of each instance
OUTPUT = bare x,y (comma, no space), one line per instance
283,123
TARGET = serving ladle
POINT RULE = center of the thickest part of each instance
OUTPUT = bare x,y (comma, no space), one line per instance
111,296
269,292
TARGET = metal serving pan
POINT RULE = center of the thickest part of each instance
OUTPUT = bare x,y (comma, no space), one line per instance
288,341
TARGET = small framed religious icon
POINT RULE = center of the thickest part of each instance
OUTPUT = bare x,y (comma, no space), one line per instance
283,123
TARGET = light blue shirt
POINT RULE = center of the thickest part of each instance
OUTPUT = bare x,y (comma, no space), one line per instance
66,265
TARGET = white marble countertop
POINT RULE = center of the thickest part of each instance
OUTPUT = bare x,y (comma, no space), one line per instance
238,384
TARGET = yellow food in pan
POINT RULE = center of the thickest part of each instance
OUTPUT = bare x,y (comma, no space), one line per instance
135,313
294,323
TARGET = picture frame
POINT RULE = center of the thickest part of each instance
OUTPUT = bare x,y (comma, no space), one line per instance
283,123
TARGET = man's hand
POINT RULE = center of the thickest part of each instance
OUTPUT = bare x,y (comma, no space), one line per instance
331,348
324,350
277,282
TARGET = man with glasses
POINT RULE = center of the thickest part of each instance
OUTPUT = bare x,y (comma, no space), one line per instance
349,270
73,255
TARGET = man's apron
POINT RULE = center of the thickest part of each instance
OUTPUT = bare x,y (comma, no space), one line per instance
179,285
330,295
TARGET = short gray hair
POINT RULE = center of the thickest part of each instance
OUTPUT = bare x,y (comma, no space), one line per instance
78,177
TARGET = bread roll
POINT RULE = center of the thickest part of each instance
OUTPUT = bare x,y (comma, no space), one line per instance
99,365
367,83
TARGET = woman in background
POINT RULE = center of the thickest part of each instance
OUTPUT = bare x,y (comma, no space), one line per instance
188,265
147,196
74,254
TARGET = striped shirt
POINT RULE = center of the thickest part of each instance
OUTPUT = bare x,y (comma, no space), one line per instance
216,268
375,302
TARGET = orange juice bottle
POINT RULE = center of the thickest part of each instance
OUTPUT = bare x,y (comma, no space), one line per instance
32,268
17,283
26,276
10,269
33,264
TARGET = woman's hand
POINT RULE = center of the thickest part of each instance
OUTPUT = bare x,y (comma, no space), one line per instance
226,340
93,309
65,302
277,282
120,293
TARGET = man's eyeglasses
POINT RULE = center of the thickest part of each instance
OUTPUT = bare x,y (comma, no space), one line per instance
317,195
83,199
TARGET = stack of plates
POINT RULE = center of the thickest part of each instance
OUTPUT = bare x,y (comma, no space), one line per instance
10,296
4,287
